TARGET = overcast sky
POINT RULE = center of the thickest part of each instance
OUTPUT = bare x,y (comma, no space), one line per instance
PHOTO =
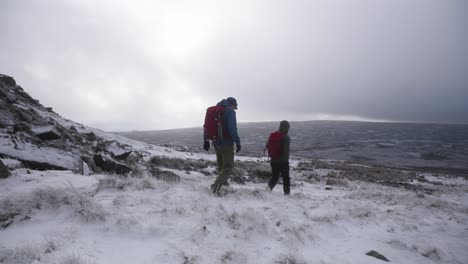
143,65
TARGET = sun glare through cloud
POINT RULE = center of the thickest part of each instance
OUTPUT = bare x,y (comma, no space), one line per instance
183,31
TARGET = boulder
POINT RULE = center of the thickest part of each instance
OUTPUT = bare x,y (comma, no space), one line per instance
377,255
4,172
46,132
107,164
38,157
117,150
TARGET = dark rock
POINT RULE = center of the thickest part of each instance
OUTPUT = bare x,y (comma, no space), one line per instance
50,109
7,80
3,94
109,165
23,116
377,255
46,132
117,150
123,156
11,98
7,223
40,166
4,172
20,127
90,136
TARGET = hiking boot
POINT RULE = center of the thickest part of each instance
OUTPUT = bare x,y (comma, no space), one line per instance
215,188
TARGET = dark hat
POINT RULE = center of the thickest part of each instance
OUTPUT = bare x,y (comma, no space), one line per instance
284,126
232,102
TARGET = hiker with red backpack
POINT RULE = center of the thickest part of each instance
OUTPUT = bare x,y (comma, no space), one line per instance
278,150
220,128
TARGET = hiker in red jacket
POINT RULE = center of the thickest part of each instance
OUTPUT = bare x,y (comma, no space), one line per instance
278,150
224,143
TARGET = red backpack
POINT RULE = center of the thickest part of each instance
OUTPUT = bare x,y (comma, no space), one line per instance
213,126
274,145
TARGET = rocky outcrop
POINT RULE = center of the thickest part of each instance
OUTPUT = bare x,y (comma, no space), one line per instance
4,172
7,80
42,140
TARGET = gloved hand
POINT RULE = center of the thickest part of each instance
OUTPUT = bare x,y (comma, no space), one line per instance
206,145
238,147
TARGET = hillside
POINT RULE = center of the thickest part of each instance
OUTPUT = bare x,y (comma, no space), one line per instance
58,205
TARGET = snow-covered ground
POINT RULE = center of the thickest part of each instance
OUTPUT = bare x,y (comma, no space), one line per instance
66,218
60,217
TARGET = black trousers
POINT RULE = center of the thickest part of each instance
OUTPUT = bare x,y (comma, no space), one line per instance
278,169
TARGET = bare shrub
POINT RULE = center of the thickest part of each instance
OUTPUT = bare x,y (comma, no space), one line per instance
251,171
126,183
432,253
288,259
36,253
312,177
112,182
71,259
51,244
189,259
168,176
262,173
233,257
24,254
233,221
22,205
164,175
180,164
314,164
227,257
350,171
336,181
5,253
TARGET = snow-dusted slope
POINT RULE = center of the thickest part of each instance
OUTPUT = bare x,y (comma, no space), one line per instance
67,218
42,139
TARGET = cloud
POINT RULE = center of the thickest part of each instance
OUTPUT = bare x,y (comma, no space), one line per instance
124,65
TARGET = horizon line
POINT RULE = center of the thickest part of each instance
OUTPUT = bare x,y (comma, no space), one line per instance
312,120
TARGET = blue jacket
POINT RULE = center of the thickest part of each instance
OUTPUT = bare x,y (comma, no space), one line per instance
229,124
